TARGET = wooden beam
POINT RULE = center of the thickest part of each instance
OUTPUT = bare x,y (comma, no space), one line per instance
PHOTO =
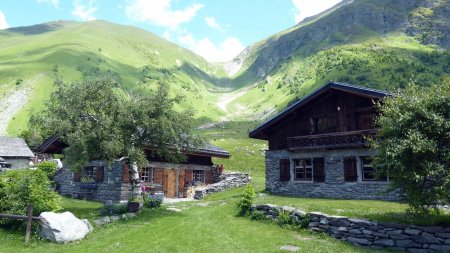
18,217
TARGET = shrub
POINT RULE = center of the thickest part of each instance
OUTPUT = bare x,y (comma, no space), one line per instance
257,215
114,209
20,188
153,200
284,218
246,201
48,167
304,222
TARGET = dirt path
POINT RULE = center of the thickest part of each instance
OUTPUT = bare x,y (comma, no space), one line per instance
226,99
11,104
13,101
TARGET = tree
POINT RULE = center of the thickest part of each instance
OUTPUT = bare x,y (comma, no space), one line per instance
99,121
413,145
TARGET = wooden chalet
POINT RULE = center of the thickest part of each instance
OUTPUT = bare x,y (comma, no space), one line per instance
318,146
112,183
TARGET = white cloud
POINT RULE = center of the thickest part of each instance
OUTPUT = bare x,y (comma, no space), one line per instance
211,22
222,52
307,8
55,3
160,12
3,23
84,12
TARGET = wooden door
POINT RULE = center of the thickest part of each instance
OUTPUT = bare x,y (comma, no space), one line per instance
181,190
170,183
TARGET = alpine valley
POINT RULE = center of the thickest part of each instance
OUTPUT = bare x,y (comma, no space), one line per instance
384,44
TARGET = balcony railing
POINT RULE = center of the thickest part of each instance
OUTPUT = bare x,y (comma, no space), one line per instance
350,139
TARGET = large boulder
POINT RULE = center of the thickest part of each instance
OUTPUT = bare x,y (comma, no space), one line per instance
63,227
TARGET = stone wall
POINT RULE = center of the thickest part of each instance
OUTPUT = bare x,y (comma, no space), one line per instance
363,232
18,163
110,190
227,180
334,185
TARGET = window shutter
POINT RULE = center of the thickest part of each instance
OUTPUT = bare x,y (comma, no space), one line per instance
126,173
76,177
285,170
319,169
208,177
99,174
188,177
350,169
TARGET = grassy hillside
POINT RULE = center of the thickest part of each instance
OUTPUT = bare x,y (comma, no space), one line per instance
31,56
381,44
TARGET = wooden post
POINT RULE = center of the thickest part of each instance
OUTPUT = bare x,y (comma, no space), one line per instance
29,220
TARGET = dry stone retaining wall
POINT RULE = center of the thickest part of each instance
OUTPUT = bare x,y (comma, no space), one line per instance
363,232
227,180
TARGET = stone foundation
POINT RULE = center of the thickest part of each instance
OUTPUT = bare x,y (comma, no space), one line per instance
334,185
111,190
363,232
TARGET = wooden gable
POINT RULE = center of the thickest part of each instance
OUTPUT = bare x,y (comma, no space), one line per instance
328,110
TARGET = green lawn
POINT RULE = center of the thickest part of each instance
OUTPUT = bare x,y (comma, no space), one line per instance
81,208
210,228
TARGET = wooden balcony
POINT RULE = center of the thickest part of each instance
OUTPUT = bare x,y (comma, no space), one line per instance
350,139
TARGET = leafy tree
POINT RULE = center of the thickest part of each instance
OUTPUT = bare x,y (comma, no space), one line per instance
413,145
99,121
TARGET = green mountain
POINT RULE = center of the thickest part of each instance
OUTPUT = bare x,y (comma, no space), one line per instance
382,44
31,56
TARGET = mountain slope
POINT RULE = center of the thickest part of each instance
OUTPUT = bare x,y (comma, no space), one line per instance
31,56
382,44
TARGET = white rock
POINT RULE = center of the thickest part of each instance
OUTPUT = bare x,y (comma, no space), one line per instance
62,227
88,224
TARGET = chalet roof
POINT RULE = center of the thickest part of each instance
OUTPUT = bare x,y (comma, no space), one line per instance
54,145
363,91
14,147
209,149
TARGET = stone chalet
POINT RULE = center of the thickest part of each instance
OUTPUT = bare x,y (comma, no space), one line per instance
14,153
112,182
318,145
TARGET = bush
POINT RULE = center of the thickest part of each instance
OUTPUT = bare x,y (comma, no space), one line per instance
246,201
257,215
284,218
114,209
20,188
48,167
153,200
304,222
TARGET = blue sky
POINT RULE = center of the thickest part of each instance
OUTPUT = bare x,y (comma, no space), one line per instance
218,30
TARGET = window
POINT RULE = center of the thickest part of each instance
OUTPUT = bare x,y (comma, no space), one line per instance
303,169
147,175
89,172
368,172
197,176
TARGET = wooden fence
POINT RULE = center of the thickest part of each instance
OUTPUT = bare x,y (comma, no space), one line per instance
29,218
